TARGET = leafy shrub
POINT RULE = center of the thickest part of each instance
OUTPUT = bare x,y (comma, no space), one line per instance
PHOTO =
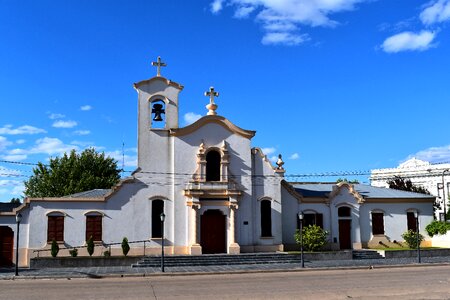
125,246
437,227
314,237
55,248
107,253
90,246
410,238
74,252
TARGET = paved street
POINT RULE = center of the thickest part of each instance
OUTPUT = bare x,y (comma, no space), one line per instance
97,272
421,282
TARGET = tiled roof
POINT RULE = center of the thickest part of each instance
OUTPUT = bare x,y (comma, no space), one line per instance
97,193
366,191
8,207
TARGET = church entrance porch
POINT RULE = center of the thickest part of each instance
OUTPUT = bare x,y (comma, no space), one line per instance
213,232
6,246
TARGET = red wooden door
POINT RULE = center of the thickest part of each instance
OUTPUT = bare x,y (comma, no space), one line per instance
345,241
6,246
212,232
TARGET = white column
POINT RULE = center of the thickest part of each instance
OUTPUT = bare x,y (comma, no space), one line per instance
233,247
195,248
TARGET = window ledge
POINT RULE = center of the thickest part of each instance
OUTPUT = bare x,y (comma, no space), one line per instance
266,237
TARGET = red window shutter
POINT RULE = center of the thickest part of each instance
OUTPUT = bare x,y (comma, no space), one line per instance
55,230
94,227
377,223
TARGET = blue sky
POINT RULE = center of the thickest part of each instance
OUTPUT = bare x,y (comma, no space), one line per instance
336,85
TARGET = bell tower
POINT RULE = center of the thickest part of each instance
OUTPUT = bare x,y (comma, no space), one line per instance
157,114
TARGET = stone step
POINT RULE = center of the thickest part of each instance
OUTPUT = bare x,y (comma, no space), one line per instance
209,260
366,254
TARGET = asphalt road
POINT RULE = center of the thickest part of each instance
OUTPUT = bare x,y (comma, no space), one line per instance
425,282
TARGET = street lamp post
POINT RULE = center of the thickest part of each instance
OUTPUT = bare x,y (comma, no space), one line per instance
163,217
300,217
416,215
18,219
443,194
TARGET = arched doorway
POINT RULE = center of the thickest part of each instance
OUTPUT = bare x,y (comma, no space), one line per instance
6,246
213,232
345,227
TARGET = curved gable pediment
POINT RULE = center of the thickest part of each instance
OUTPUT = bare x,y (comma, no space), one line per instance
225,123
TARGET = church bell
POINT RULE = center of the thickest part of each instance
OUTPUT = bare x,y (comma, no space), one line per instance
158,111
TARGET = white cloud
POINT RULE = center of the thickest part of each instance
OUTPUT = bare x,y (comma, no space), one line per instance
433,154
283,38
191,117
436,12
81,132
4,170
12,157
25,129
129,160
17,187
47,145
294,156
291,13
269,150
409,41
216,6
53,116
20,141
4,143
86,107
64,124
273,158
243,11
51,146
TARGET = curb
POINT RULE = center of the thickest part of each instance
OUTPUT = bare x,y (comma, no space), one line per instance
230,272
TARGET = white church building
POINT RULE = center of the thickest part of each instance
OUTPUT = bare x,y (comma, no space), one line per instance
218,193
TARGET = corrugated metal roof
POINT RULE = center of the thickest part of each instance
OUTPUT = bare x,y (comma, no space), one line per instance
366,191
8,207
96,193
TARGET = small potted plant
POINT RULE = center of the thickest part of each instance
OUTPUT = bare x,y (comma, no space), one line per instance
73,252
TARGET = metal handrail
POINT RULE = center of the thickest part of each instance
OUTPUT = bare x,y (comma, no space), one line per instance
106,245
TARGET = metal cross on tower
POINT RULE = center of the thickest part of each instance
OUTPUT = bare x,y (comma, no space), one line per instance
211,94
158,64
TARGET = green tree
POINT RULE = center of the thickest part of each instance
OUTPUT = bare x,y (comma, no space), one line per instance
54,249
90,246
411,238
314,237
404,184
15,200
125,246
72,173
354,181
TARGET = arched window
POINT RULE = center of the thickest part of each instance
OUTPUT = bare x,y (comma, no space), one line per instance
94,226
266,218
344,211
213,166
158,114
55,227
157,210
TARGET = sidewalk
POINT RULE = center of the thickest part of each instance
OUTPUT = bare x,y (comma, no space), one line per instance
99,272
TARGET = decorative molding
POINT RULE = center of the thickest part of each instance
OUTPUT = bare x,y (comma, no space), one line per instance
94,213
215,120
337,188
56,213
158,78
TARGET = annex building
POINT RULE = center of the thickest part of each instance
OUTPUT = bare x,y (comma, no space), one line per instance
219,194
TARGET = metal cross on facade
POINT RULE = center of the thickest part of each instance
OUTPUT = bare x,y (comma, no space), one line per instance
158,64
211,94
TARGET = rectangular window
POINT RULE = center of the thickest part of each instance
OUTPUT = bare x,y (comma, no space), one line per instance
412,225
55,229
94,227
377,223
